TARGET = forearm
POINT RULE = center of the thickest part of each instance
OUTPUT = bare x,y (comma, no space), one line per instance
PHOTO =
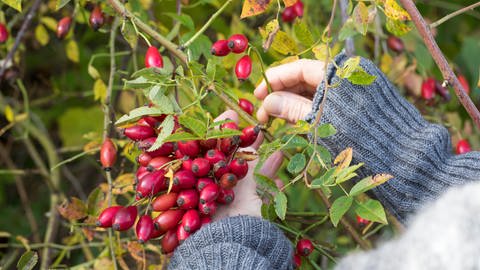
389,135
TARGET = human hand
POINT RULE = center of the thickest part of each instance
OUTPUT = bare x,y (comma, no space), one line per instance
293,85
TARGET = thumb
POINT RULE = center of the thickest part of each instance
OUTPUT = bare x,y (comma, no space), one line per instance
286,105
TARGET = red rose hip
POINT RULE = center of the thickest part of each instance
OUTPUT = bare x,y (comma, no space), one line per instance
183,179
3,33
208,208
239,167
220,168
214,155
463,146
226,196
288,14
124,218
191,221
228,181
189,148
361,221
158,163
297,261
143,159
395,44
151,184
165,202
249,135
187,199
243,68
238,43
97,18
203,182
153,58
168,219
137,133
170,241
220,48
144,228
246,105
63,27
105,219
298,8
108,154
428,89
182,235
200,167
304,247
209,193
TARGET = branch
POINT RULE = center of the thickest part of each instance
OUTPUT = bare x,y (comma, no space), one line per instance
170,46
441,61
453,14
19,36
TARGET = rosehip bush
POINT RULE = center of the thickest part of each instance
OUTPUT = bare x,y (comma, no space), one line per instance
111,153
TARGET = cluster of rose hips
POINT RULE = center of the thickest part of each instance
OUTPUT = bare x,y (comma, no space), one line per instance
304,248
290,13
203,173
237,43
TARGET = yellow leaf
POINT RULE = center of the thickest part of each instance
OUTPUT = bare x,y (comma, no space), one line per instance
386,63
395,11
320,51
9,114
381,178
169,175
16,4
72,51
360,17
93,72
41,35
99,90
49,22
343,159
289,2
254,7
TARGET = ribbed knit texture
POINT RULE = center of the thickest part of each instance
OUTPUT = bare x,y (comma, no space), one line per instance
389,135
241,242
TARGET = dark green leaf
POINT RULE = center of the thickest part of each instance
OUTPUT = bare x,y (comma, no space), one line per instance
181,136
368,183
166,129
139,112
194,125
339,207
297,163
266,183
184,19
326,130
327,179
224,133
280,205
294,142
28,260
371,210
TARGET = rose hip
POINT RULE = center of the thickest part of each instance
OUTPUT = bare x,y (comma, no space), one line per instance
183,179
105,219
203,182
209,193
249,135
463,146
205,220
144,228
288,14
97,18
182,235
148,121
141,172
200,167
144,159
297,261
158,163
151,184
124,218
228,145
228,181
168,219
226,196
208,144
243,68
187,199
164,150
108,154
298,8
187,164
153,58
191,221
63,27
220,168
189,148
165,202
428,89
170,241
229,125
361,221
239,167
304,247
246,105
238,43
3,33
208,208
137,133
220,48
395,44
214,155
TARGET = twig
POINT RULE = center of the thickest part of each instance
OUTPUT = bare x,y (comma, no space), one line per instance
19,37
441,61
206,25
453,14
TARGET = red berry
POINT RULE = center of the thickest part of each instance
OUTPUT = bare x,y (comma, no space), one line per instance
288,14
144,228
298,8
105,219
200,167
165,150
209,193
191,221
243,68
189,148
151,184
178,154
304,247
246,105
203,182
143,159
168,219
108,154
205,220
428,89
220,48
153,58
226,196
361,221
150,121
182,235
183,179
239,167
395,44
213,156
165,202
137,133
141,172
208,208
238,43
297,261
220,168
156,232
208,144
442,91
187,164
463,146
158,163
3,33
249,135
463,81
228,145
124,218
229,125
170,241
187,199
97,18
228,181
63,27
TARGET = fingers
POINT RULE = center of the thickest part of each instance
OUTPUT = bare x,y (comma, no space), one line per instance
300,77
285,105
229,114
272,164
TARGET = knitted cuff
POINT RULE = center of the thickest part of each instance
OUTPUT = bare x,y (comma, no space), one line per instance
241,242
389,135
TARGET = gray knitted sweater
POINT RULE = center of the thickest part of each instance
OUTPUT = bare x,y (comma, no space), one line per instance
389,135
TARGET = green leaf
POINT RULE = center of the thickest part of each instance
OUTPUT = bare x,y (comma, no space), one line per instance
267,149
93,202
347,173
41,35
222,133
93,72
352,71
347,30
294,142
201,46
60,4
301,127
327,179
369,182
360,17
302,33
398,28
157,96
339,207
166,129
184,19
326,130
266,183
194,125
361,77
28,260
129,33
16,4
280,205
268,212
139,112
297,163
348,67
181,136
138,83
73,53
371,210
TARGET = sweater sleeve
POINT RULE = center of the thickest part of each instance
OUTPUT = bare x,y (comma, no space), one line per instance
389,135
241,242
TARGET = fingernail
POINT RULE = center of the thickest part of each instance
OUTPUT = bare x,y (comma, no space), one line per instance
273,104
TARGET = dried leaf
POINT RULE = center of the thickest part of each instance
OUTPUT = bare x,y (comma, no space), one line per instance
343,159
254,7
394,11
246,155
72,210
